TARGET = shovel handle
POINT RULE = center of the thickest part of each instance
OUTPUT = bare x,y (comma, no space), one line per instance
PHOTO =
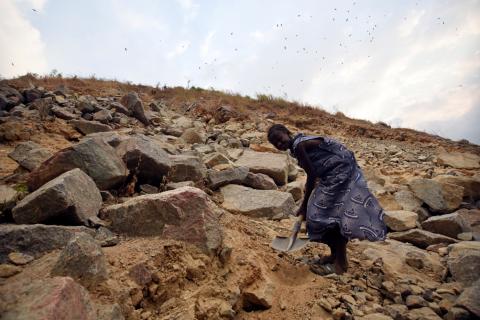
298,224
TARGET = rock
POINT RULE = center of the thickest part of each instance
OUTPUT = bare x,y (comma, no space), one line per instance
274,165
63,113
296,189
30,155
400,220
396,311
92,155
8,270
407,200
105,237
471,186
103,116
258,297
234,154
32,94
9,97
8,197
456,313
214,159
109,312
217,179
193,135
71,197
470,221
145,158
459,160
259,181
19,258
395,256
87,127
424,313
186,167
469,299
257,203
176,185
184,214
413,301
440,197
140,274
449,225
133,103
83,260
465,236
420,238
35,239
464,261
375,316
58,298
225,113
148,189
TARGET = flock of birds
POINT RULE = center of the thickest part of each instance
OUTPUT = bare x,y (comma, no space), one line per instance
290,40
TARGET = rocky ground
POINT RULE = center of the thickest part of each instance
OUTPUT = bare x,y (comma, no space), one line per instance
131,202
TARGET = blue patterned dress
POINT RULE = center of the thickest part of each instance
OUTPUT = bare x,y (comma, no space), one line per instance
341,197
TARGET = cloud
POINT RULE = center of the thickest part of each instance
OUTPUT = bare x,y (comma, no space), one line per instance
190,9
22,43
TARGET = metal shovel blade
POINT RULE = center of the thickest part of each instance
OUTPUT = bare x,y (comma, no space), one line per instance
282,243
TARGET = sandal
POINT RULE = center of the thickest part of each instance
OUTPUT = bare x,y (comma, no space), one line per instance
322,269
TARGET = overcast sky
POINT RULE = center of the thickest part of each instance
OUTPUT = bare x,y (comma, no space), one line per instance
408,63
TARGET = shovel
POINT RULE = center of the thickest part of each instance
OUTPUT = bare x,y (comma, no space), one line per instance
292,243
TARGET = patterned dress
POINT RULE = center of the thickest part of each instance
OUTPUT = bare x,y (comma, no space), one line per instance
341,197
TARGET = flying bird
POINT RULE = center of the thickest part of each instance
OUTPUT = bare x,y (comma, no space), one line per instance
126,50
34,10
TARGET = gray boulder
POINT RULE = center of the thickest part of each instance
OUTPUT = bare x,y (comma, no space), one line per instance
63,113
449,225
87,127
274,165
257,203
260,181
145,158
420,238
92,155
439,196
133,103
103,116
83,260
400,220
185,214
469,299
464,261
35,239
217,179
186,167
72,197
30,155
8,197
193,135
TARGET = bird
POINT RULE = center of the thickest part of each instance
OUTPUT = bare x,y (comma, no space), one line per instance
34,10
13,64
126,49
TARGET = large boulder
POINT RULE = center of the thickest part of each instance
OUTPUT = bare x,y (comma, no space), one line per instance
8,197
400,220
464,261
449,225
469,299
93,156
420,238
87,127
459,160
183,214
186,167
9,97
83,260
133,103
217,179
259,181
257,203
193,135
30,155
397,256
471,186
58,298
274,165
145,158
72,197
35,239
439,196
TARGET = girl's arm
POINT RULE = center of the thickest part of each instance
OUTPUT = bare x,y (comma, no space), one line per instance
306,164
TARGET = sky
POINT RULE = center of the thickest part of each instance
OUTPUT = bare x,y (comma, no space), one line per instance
413,64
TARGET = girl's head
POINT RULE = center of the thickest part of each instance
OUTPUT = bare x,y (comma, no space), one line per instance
279,136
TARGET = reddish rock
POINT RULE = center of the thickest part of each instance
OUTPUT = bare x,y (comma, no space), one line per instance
58,298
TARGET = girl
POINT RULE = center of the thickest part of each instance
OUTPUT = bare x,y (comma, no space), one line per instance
337,204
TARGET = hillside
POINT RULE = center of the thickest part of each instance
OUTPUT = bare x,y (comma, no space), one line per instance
180,195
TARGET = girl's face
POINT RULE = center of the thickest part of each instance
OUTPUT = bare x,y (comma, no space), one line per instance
281,140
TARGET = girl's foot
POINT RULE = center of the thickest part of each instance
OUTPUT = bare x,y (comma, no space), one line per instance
322,269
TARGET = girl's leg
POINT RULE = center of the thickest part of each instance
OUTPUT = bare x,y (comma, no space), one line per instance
341,262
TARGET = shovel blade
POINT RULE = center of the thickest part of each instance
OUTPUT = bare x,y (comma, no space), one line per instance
281,244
